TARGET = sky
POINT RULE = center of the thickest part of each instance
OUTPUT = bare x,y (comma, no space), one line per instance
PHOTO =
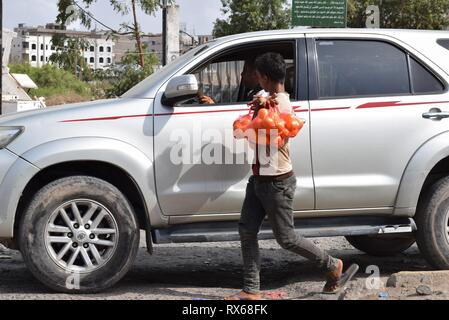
198,15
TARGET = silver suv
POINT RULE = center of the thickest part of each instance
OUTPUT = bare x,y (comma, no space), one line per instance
79,182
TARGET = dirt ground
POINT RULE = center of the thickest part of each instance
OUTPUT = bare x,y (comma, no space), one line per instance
213,270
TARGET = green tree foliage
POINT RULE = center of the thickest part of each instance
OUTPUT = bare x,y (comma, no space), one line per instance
401,14
69,54
128,73
252,15
52,81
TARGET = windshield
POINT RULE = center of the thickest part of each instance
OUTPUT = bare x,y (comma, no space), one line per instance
147,88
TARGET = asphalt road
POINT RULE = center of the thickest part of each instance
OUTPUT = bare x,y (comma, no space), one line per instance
213,270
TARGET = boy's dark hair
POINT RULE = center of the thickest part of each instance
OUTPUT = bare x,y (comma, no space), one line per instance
272,65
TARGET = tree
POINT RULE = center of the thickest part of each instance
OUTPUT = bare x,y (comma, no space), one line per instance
401,14
69,54
252,15
70,10
129,72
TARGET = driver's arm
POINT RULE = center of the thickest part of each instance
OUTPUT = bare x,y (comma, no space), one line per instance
206,100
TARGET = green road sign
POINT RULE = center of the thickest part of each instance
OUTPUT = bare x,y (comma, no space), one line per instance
319,13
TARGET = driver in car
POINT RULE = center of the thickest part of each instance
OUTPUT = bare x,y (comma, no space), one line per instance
249,80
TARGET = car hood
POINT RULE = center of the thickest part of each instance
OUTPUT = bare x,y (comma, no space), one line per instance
75,109
100,118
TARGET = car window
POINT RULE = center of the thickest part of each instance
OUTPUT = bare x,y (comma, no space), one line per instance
220,78
349,68
422,80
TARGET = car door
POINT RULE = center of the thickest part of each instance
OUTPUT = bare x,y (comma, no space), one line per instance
199,186
368,96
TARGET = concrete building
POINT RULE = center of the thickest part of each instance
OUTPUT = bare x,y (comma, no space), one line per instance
153,43
125,44
7,36
204,38
33,45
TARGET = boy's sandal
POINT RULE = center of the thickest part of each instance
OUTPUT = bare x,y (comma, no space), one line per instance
333,286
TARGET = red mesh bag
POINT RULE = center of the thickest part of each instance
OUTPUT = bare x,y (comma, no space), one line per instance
270,126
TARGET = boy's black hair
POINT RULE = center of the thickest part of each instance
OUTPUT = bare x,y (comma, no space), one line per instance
272,65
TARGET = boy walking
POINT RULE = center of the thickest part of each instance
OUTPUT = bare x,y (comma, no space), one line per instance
270,191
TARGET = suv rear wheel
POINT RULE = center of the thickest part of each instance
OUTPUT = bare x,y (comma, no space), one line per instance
382,245
79,234
432,220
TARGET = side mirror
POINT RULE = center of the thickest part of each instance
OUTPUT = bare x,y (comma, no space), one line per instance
179,88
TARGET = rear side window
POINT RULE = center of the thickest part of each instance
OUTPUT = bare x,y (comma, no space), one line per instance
444,43
349,68
361,68
423,81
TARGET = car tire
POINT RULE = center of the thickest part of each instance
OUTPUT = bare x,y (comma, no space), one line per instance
108,235
432,217
382,245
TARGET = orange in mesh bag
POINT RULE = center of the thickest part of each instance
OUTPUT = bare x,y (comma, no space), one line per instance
270,126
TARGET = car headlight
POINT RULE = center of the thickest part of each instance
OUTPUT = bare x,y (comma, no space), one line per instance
8,134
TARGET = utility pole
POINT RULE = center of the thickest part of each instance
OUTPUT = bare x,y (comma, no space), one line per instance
164,32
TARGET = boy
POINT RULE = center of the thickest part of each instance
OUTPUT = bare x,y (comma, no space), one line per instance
270,191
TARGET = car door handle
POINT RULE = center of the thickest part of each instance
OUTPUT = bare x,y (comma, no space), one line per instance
435,114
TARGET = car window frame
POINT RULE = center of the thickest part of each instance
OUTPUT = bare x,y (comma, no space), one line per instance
294,41
312,58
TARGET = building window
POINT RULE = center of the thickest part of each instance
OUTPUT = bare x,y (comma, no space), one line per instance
91,60
46,47
33,46
92,49
109,49
101,49
109,60
25,45
46,59
33,58
101,60
42,58
42,46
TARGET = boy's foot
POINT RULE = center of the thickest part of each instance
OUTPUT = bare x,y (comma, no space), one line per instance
243,295
332,277
336,280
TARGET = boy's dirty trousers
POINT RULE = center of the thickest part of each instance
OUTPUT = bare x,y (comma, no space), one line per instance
275,199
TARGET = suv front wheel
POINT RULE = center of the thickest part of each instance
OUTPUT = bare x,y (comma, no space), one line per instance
79,234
